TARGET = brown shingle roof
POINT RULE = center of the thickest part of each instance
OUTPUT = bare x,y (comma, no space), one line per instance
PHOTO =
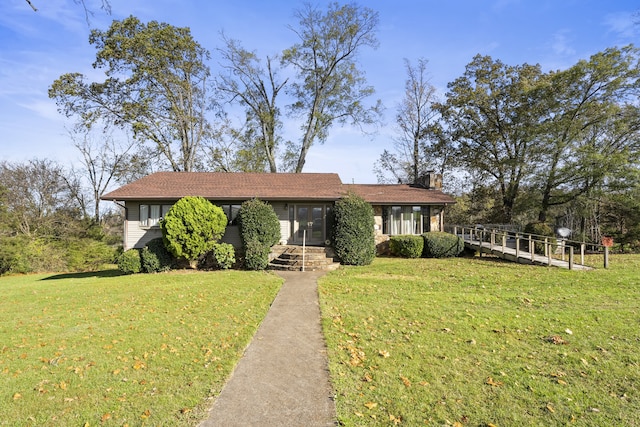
231,186
269,186
385,194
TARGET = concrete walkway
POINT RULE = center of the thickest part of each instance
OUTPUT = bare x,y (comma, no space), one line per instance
283,377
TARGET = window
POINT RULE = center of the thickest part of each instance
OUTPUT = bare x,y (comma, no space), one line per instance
402,220
231,211
151,215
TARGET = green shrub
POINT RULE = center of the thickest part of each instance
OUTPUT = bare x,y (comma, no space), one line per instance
407,246
86,254
540,230
192,226
155,257
129,262
225,255
438,244
258,223
256,255
13,255
353,228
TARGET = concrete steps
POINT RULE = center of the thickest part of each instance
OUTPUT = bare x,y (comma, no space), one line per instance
290,258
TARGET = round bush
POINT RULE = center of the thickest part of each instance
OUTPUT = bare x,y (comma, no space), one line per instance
256,256
438,244
129,262
353,238
258,223
224,254
407,246
155,257
192,226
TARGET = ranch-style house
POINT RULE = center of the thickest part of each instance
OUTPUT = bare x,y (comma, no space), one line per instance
302,202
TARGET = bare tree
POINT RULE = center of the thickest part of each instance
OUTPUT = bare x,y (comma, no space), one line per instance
255,88
105,6
415,123
103,161
330,87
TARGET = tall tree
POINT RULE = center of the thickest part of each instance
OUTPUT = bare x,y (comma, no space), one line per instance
491,114
330,87
414,147
104,161
248,83
591,128
157,85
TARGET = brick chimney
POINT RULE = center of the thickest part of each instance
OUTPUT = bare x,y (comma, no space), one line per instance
430,181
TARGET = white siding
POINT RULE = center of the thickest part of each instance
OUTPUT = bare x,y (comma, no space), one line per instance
138,236
282,211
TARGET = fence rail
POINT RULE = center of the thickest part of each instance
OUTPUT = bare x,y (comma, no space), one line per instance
527,247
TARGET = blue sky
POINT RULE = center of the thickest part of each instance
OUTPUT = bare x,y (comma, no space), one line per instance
37,47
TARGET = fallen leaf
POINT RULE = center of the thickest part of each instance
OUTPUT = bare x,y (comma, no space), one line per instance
384,353
550,408
370,405
105,417
17,396
493,383
405,381
395,420
146,414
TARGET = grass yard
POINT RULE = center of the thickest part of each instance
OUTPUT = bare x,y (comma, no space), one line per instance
476,342
102,349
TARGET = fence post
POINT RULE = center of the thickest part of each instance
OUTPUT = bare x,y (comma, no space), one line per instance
546,246
548,249
532,249
504,241
582,245
570,257
517,247
606,257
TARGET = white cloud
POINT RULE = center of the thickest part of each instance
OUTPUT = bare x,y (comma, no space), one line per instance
561,44
624,24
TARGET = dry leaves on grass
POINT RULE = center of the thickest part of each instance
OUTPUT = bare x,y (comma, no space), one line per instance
493,383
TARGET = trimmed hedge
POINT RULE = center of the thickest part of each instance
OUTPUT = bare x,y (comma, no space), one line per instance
192,226
256,255
406,245
258,223
353,238
155,257
438,244
259,230
129,262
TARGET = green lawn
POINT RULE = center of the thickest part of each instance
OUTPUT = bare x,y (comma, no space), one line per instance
103,349
479,342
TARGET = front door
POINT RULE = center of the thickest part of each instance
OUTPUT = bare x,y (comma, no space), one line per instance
310,221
